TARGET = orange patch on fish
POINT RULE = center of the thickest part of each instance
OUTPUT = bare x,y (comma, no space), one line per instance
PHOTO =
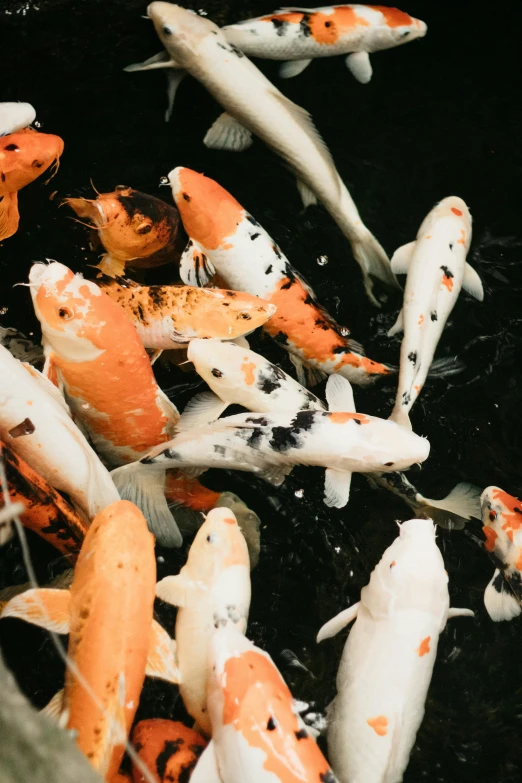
447,282
424,647
417,388
230,521
462,240
428,236
513,515
247,368
456,211
328,28
379,725
518,564
341,417
491,537
421,320
392,16
292,17
209,213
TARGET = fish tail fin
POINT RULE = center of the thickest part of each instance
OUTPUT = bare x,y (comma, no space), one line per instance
443,368
462,503
499,600
401,417
146,489
9,215
372,258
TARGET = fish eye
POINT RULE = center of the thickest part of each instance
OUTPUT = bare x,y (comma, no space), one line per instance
492,515
245,316
167,30
405,33
212,538
388,464
217,373
65,313
12,147
144,228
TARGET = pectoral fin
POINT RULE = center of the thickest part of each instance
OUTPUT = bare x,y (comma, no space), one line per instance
337,487
9,215
174,590
472,283
293,68
206,770
337,623
228,134
400,261
339,394
161,660
195,268
201,410
360,66
499,600
460,613
174,79
308,197
160,60
44,607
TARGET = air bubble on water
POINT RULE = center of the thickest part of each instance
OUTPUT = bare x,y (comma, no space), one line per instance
337,549
37,124
299,493
351,574
3,310
344,331
163,181
160,559
322,260
202,12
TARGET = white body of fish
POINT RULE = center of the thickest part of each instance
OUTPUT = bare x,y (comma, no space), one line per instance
55,448
436,268
388,659
15,116
202,49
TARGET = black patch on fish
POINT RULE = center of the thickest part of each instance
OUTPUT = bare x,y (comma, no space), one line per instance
304,24
268,269
327,777
37,164
255,236
216,373
230,48
451,246
2,177
406,398
272,724
413,357
26,427
288,285
186,197
270,380
276,250
141,314
500,584
309,300
322,324
281,337
301,734
170,748
279,25
434,316
252,220
447,271
254,436
257,420
285,438
339,349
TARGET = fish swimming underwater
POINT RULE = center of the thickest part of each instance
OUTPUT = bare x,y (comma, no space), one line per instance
169,749
272,444
212,590
254,106
24,156
36,424
388,659
170,316
299,35
502,520
14,116
257,733
225,239
113,639
436,268
136,230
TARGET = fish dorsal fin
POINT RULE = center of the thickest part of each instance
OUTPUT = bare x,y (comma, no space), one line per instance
175,590
472,283
44,607
206,770
339,394
398,326
226,133
194,267
499,600
337,623
359,65
161,658
293,68
201,410
400,261
337,487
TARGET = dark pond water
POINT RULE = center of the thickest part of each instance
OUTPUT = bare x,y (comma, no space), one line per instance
441,116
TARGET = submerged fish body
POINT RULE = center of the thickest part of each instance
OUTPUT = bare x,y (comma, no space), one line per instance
222,237
436,268
388,659
254,106
257,733
171,316
14,116
502,526
299,35
136,230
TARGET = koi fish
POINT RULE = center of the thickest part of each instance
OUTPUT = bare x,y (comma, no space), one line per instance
212,590
436,268
388,659
45,510
502,520
169,749
254,106
14,116
222,235
36,424
113,639
270,445
170,316
257,733
136,230
24,156
105,372
299,35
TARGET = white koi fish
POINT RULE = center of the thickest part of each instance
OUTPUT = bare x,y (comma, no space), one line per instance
436,268
212,590
270,445
502,521
257,733
388,659
14,116
299,35
254,106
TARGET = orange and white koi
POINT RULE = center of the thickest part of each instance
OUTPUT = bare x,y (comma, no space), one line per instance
254,106
212,590
113,639
299,35
502,526
36,424
24,156
222,235
257,733
170,316
136,230
105,372
388,659
14,116
436,268
169,749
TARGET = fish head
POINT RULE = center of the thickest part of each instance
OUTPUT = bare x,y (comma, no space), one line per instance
180,30
229,314
454,207
14,116
209,213
24,156
218,545
224,366
388,446
396,28
501,520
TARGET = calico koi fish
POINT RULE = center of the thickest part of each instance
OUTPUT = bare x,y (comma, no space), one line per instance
502,521
257,733
212,590
136,230
169,749
36,424
113,639
436,268
388,659
99,360
270,445
170,316
24,156
254,106
222,235
14,116
299,35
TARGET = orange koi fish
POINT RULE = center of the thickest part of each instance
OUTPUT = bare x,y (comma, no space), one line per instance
24,156
170,316
136,230
46,512
105,372
168,748
502,521
257,734
113,640
222,236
